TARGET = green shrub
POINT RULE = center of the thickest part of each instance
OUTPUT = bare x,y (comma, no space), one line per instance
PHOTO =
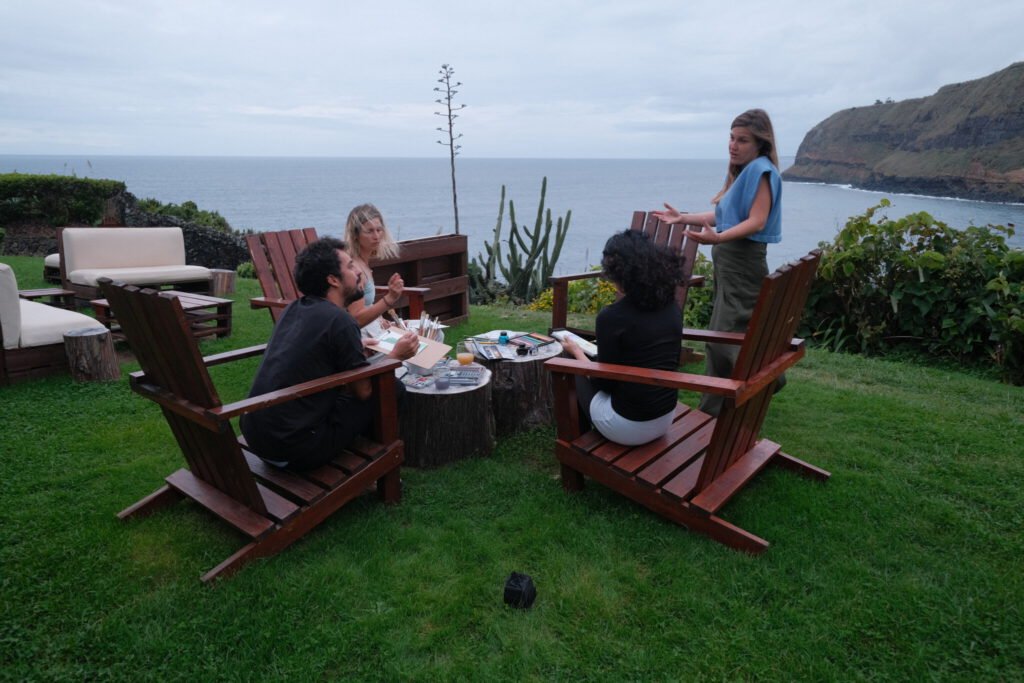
699,300
187,211
246,270
57,199
585,296
885,284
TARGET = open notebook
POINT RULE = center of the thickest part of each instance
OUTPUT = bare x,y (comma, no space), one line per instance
588,347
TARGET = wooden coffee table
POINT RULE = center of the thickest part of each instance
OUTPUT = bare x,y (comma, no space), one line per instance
208,315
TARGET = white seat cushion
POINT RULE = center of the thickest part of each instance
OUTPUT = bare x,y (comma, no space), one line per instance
52,261
10,311
86,248
42,324
150,275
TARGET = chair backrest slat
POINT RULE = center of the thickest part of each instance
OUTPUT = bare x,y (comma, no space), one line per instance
639,219
161,339
674,237
776,316
261,264
273,257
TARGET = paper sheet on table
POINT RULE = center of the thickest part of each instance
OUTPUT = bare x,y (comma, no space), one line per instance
427,355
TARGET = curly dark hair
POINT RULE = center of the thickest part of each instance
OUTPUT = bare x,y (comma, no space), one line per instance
315,262
646,272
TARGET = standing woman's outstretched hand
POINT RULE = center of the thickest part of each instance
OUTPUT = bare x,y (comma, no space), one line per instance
706,235
670,215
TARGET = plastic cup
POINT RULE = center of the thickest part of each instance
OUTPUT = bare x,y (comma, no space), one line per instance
463,353
441,381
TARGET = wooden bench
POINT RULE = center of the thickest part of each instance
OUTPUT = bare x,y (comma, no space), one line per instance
689,474
439,265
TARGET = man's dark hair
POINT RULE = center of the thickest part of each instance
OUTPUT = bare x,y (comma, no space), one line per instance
314,263
646,272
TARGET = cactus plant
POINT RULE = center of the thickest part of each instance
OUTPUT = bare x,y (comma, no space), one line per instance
529,260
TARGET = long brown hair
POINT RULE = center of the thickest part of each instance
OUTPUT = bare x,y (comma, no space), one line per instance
760,126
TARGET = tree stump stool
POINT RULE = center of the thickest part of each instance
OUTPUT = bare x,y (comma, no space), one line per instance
440,427
521,395
222,281
90,353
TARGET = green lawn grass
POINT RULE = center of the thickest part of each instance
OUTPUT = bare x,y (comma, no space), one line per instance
906,565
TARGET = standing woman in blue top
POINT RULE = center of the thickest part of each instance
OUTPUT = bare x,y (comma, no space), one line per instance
746,219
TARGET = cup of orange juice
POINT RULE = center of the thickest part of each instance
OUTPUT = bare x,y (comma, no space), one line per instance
464,353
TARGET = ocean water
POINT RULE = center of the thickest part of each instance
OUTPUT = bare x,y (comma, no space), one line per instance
415,195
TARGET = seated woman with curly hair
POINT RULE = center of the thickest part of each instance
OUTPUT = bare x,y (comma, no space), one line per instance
643,329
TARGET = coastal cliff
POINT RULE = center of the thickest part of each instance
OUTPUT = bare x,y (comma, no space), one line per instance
966,140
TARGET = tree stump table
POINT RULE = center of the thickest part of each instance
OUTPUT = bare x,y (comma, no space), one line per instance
91,357
521,395
447,425
222,281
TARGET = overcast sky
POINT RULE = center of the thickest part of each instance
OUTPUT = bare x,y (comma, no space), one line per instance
617,79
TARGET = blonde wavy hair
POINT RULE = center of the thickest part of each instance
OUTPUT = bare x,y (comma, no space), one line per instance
357,218
760,126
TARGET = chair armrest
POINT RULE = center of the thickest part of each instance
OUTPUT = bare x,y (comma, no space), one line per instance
713,337
61,298
237,354
268,302
738,390
215,359
313,386
577,276
212,418
560,296
379,289
660,378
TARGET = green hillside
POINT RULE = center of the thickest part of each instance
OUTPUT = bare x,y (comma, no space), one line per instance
966,140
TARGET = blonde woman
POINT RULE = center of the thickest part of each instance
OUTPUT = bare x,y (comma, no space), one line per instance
747,218
368,237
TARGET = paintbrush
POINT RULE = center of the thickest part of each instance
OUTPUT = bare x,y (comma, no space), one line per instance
398,320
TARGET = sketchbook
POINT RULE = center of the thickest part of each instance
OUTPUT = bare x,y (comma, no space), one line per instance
588,347
427,355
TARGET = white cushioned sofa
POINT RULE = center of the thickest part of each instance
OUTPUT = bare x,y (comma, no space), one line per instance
33,333
151,257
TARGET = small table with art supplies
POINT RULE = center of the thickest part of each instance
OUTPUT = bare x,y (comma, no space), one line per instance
522,395
426,356
446,415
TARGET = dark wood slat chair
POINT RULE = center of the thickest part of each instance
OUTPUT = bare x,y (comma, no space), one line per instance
673,236
272,507
273,258
688,475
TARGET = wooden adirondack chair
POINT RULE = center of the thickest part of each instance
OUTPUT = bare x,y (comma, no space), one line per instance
271,506
273,257
688,475
661,233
